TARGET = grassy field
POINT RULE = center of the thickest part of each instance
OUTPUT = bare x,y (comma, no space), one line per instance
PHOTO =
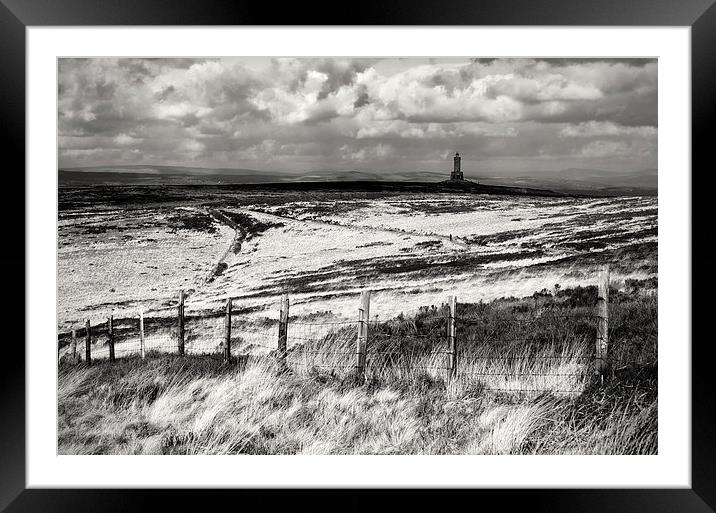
199,405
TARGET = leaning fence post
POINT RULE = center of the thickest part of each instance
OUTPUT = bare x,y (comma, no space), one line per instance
452,339
141,333
227,331
283,328
110,334
180,315
602,321
362,340
88,342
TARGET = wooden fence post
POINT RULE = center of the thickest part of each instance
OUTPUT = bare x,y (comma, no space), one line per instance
88,342
73,346
452,339
362,339
180,315
141,333
110,334
227,331
602,348
283,328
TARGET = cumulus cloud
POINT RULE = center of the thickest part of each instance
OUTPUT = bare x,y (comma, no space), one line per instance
333,112
376,152
604,148
605,128
126,140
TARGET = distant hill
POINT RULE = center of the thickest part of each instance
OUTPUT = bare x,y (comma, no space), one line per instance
177,175
571,181
592,181
162,175
403,186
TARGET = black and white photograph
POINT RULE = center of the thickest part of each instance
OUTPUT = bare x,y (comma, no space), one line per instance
354,255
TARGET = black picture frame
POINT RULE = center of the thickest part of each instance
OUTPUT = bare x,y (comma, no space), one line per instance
700,15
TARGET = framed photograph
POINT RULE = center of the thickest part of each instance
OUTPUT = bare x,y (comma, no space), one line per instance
435,246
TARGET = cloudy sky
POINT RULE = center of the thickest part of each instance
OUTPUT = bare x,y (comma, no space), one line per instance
304,114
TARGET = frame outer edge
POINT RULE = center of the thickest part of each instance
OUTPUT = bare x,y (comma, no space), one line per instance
12,377
12,393
385,12
703,118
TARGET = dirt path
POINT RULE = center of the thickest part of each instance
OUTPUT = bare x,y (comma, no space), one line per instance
456,244
234,247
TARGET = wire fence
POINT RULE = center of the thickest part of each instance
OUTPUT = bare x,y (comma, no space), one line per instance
517,350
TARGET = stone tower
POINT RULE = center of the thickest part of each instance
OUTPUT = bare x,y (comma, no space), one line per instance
456,171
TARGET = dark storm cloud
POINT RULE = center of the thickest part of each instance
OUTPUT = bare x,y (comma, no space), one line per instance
367,113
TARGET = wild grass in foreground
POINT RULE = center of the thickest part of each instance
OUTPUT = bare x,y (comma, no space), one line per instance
507,398
194,405
168,404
